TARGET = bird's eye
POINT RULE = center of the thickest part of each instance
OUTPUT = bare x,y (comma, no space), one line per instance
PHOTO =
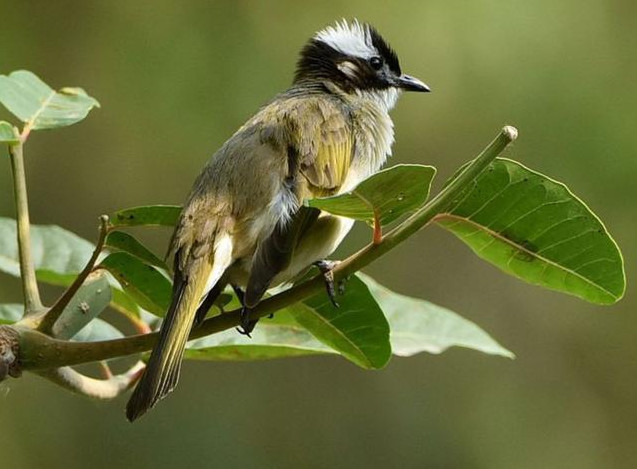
376,63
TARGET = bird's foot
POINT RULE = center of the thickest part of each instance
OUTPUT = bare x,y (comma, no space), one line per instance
247,324
326,267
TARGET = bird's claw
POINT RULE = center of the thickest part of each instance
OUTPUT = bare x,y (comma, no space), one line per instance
247,324
326,267
243,332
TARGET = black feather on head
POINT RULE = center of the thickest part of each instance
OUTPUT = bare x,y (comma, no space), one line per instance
385,50
347,47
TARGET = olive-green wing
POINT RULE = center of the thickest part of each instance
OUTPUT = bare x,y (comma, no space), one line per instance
324,144
320,146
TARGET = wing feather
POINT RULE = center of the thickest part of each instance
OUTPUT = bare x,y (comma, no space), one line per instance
324,142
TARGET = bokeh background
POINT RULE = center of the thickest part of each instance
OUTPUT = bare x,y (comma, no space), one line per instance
175,79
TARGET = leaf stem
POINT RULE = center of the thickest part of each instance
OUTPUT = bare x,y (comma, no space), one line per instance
377,236
33,303
39,351
48,321
138,324
436,205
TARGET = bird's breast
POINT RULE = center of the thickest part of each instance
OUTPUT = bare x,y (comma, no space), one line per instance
374,136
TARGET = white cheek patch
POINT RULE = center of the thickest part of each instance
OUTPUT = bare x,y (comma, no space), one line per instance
349,68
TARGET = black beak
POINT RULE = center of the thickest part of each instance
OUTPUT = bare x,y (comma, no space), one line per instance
409,83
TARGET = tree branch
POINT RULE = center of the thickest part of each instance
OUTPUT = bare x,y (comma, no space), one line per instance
33,304
108,388
38,351
9,352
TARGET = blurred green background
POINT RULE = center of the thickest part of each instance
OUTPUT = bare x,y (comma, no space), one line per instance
175,79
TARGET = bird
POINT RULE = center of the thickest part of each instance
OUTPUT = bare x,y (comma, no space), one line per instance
244,223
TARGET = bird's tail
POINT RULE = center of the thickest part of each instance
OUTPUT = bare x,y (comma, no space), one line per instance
162,371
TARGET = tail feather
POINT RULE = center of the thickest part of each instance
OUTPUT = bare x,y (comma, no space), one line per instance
193,280
164,365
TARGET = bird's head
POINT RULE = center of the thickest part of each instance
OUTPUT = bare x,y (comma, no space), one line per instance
355,57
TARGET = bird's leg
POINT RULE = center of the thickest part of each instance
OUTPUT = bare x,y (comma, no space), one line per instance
326,268
238,291
247,325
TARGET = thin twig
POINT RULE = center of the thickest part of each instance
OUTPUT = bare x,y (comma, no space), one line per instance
39,351
33,304
97,388
48,321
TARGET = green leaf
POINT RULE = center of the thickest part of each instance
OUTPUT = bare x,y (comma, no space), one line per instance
272,338
38,105
58,254
120,241
8,133
10,313
87,303
357,329
534,228
388,194
96,330
122,302
142,282
420,326
150,215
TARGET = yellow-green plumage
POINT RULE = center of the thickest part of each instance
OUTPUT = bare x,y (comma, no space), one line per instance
162,371
244,222
254,165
